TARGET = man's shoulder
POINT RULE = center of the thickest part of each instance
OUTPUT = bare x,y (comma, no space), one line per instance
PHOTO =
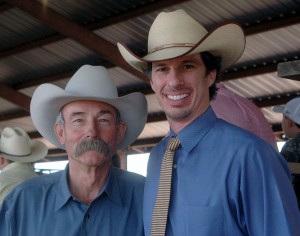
296,139
293,143
127,176
38,182
291,150
34,189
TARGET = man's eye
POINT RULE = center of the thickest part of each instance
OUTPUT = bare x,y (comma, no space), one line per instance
161,69
188,66
104,121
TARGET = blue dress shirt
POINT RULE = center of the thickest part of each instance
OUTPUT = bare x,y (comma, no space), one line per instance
45,206
226,182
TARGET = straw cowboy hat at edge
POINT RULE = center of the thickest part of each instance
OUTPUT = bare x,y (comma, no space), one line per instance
16,145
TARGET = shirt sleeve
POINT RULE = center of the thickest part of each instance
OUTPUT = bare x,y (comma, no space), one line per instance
5,220
268,199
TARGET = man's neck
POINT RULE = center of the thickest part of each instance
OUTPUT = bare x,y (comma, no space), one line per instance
86,184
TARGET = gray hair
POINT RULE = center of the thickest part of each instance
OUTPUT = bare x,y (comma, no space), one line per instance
60,118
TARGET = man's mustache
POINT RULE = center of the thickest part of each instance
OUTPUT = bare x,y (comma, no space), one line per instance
96,145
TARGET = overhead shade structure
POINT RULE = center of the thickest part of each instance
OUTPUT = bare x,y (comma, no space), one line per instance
243,113
289,70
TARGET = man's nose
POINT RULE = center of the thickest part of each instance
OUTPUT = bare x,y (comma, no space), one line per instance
175,77
92,129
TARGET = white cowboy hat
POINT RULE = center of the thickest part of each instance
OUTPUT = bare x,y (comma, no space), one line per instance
15,145
175,34
88,83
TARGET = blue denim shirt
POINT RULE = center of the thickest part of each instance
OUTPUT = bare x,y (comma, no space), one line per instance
226,182
45,206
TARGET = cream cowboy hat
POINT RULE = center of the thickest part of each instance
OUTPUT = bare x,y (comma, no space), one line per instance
88,83
15,145
175,34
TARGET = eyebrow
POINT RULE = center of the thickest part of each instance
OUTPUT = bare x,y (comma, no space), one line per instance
182,62
76,113
79,113
158,65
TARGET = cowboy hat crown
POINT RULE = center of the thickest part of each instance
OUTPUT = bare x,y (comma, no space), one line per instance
175,34
16,145
88,83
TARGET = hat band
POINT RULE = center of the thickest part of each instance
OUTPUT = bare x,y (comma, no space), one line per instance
16,155
171,45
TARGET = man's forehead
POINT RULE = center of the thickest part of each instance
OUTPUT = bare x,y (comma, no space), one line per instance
82,105
182,59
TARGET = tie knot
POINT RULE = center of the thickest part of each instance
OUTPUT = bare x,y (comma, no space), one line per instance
173,144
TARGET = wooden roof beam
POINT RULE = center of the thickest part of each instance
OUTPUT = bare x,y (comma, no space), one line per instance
78,33
15,97
135,12
272,23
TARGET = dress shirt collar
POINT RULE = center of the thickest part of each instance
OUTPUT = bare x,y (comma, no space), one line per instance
63,192
191,135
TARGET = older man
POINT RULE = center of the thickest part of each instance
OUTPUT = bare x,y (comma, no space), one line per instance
90,197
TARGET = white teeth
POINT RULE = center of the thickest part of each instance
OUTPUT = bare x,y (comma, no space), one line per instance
177,97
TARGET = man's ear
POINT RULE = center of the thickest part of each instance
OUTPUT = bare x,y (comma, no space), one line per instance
212,77
292,123
122,127
59,131
3,162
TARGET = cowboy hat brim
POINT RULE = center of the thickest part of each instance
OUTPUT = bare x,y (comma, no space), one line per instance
48,100
226,40
38,151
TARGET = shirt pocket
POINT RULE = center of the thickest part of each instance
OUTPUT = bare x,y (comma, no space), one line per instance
203,220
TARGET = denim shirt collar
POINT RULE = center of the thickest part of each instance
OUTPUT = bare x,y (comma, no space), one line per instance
110,188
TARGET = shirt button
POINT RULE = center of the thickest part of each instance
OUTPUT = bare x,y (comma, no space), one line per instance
174,166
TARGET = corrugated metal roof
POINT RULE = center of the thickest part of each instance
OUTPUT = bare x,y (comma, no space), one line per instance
32,51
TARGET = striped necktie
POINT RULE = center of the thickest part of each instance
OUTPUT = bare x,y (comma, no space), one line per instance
160,212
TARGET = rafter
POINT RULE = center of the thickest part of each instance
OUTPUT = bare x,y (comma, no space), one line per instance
15,97
127,15
272,22
76,32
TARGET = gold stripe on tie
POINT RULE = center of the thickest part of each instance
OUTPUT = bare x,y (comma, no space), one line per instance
161,207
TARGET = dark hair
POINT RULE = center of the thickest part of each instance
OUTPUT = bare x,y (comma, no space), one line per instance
211,63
